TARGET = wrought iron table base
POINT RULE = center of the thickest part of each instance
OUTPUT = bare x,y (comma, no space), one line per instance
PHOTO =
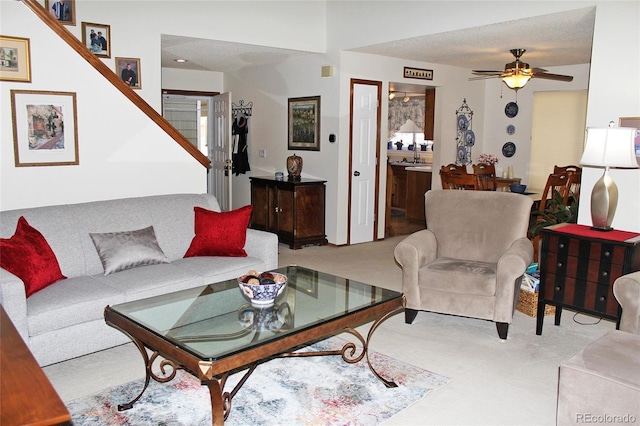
220,400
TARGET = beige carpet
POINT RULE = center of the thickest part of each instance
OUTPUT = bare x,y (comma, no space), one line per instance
493,382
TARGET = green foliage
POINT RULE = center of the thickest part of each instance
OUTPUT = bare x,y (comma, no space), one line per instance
555,212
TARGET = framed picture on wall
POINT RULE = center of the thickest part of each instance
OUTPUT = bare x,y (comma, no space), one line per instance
63,10
304,123
97,38
632,122
44,128
15,59
129,71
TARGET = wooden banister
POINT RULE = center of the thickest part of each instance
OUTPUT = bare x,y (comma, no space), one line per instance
110,75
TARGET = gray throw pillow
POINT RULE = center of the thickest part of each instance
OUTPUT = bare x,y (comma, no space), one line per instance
124,250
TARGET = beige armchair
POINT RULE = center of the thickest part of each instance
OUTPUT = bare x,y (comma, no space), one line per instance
604,378
626,289
471,257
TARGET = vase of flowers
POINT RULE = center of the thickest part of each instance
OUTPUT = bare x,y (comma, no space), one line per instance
487,159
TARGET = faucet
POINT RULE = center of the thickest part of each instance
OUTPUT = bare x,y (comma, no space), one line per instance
416,155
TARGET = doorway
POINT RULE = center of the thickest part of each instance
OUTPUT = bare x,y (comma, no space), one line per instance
411,108
363,164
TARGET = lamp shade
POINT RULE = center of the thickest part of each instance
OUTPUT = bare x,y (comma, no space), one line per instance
610,147
409,127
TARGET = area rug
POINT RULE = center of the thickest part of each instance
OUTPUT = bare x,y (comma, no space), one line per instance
286,391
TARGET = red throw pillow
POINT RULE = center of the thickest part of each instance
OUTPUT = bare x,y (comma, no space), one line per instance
28,256
220,234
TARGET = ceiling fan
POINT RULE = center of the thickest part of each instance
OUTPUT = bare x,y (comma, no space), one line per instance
516,74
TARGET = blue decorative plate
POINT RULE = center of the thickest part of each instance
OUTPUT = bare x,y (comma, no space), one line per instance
509,149
511,129
462,155
463,123
511,110
470,138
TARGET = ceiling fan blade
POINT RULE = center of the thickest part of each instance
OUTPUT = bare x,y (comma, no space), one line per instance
482,72
535,70
483,77
557,77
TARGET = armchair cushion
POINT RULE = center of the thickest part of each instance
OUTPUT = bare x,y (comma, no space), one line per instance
460,276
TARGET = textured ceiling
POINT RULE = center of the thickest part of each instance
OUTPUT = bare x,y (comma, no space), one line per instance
551,40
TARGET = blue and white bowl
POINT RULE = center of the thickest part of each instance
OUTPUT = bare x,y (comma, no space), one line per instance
263,294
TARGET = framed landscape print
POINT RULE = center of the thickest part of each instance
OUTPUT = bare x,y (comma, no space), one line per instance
44,128
97,38
129,71
304,123
15,59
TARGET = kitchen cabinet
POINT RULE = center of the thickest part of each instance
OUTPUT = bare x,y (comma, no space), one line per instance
292,209
405,191
418,183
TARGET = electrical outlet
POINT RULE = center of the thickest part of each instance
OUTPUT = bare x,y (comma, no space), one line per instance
262,153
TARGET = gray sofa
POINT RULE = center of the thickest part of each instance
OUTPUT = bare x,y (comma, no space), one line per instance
65,320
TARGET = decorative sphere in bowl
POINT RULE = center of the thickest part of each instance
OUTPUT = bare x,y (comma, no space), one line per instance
514,187
262,289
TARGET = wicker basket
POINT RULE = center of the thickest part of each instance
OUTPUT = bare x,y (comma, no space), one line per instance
528,304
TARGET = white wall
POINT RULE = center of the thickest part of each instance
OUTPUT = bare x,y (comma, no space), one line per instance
497,95
616,48
327,27
122,152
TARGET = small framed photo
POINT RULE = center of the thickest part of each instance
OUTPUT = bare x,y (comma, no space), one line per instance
129,71
15,59
304,123
63,10
97,38
45,132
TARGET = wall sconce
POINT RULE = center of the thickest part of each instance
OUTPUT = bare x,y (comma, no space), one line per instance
610,147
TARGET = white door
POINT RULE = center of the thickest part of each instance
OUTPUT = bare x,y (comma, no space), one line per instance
220,151
363,162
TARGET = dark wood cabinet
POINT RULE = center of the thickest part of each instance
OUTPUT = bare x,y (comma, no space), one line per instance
293,209
578,267
417,184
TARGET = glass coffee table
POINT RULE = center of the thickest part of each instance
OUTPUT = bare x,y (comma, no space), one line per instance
214,331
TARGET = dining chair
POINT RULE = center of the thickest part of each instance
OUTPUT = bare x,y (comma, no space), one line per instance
458,168
486,176
457,180
555,182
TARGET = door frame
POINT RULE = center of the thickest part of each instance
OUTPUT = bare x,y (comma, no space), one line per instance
376,191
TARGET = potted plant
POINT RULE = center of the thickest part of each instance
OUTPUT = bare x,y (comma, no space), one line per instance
555,211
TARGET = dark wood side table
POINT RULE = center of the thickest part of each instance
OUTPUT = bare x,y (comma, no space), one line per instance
578,267
26,395
293,209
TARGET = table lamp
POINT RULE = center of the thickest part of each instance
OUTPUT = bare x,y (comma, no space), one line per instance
610,147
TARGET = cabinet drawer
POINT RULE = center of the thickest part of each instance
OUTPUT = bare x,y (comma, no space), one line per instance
586,249
587,295
596,270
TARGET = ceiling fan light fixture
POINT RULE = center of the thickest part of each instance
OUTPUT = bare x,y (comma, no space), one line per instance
516,81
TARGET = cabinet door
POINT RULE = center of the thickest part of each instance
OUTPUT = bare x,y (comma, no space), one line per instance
260,202
310,211
286,212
